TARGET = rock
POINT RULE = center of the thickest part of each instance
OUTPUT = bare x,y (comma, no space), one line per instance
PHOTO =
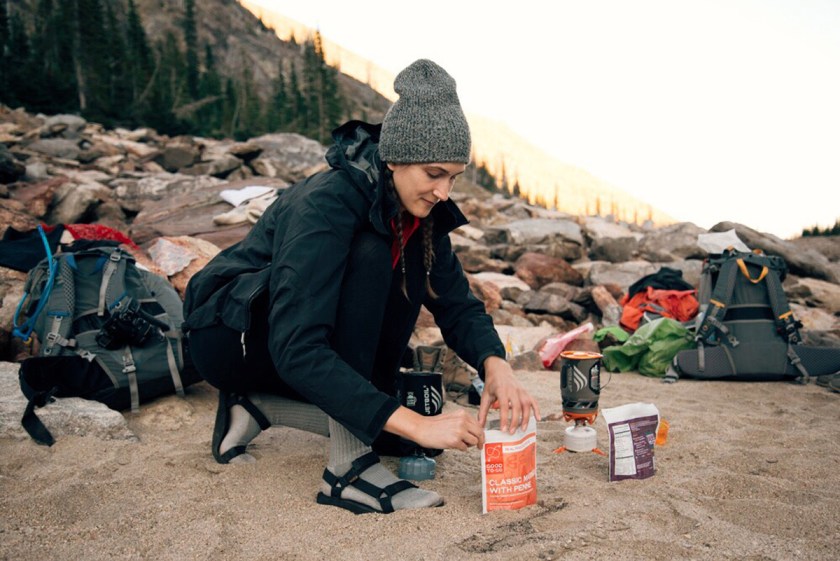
37,198
610,309
36,171
537,270
502,281
56,148
181,257
191,213
73,202
65,126
17,218
814,319
596,228
614,250
245,151
220,167
288,156
814,293
178,155
672,243
487,292
805,263
10,169
620,274
66,416
534,232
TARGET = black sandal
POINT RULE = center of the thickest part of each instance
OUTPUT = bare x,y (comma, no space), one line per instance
220,429
352,478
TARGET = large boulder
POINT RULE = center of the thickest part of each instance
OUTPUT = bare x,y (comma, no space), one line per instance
288,156
802,262
537,270
672,243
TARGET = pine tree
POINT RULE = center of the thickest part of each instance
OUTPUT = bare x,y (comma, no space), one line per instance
208,117
298,103
167,87
249,108
18,57
229,108
191,55
140,65
91,59
278,110
119,92
4,47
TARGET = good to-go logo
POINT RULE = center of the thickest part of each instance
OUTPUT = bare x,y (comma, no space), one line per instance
493,460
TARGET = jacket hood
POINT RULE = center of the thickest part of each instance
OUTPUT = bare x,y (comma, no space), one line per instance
356,151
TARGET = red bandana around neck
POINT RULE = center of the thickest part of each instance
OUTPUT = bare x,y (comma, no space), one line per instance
410,225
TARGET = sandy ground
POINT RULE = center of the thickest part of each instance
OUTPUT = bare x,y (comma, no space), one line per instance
750,471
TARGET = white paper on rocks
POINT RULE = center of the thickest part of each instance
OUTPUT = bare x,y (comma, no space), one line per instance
716,242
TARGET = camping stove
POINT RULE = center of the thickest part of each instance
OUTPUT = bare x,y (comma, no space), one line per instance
580,387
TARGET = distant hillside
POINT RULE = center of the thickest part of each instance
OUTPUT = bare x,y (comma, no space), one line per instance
542,179
239,43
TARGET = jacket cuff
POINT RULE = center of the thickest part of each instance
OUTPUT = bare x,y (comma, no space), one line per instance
499,352
377,423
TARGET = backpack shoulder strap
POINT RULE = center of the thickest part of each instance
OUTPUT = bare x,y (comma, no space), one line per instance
786,324
112,287
720,298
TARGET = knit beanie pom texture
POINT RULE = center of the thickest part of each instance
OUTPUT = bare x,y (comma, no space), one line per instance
426,124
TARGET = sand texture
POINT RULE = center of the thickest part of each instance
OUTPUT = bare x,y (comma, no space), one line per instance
750,471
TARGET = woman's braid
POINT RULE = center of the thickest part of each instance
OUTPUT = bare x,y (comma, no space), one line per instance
428,245
429,253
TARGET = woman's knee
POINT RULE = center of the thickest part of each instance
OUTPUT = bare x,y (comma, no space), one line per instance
217,355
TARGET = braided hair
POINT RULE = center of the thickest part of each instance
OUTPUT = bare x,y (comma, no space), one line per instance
427,224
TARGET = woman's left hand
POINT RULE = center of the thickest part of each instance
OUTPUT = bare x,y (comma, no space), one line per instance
515,403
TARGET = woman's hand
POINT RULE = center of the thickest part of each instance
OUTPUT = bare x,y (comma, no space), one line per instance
448,430
515,403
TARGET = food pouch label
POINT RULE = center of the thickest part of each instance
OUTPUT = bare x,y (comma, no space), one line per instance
509,469
632,431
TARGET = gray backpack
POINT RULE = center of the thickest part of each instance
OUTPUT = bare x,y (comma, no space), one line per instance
745,329
108,331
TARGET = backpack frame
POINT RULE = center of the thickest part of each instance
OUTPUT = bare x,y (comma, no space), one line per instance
745,329
108,331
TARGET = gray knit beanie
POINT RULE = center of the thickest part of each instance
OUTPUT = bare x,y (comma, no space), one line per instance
426,124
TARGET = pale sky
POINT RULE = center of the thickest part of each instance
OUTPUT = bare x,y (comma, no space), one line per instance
710,110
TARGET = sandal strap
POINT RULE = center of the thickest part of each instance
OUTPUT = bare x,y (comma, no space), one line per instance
232,453
353,479
249,406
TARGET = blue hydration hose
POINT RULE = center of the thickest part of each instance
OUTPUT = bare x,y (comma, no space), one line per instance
24,331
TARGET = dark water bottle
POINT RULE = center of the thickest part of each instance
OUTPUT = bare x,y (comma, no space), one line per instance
422,392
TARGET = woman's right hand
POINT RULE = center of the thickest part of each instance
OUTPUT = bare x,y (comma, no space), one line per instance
457,429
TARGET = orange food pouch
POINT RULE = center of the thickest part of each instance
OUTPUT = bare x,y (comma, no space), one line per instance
509,469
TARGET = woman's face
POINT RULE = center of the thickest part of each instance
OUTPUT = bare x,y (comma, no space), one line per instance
420,186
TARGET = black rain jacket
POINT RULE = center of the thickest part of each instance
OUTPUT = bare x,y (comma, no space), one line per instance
293,259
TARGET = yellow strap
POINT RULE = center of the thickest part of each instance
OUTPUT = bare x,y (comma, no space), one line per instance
716,303
786,314
743,267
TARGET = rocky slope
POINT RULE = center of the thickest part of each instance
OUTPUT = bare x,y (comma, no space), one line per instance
538,271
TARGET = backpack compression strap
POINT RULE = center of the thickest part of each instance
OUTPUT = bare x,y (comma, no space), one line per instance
59,310
786,324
